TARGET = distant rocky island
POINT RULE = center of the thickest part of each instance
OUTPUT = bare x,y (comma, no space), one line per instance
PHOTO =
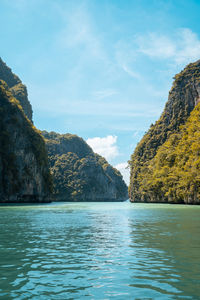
39,166
165,166
79,174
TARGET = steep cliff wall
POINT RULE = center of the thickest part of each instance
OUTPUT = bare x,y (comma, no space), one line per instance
24,171
16,87
79,174
173,175
183,97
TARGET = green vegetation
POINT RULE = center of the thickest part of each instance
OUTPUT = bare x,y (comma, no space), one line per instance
79,174
15,86
173,175
157,172
22,152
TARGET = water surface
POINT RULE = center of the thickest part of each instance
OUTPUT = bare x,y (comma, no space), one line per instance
100,251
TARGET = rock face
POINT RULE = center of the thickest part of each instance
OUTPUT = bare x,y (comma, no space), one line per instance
16,87
79,174
24,171
156,174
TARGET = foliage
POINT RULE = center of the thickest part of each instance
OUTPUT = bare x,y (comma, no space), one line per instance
15,86
146,160
78,173
15,125
174,172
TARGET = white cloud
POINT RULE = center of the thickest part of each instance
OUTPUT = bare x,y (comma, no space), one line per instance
131,72
124,170
79,31
138,134
181,48
155,45
189,47
105,146
72,106
104,93
126,56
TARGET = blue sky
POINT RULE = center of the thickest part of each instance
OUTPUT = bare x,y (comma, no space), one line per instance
101,69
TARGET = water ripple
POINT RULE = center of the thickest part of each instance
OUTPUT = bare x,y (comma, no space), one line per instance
99,251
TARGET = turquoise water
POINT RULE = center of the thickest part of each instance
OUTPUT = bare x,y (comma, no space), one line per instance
100,251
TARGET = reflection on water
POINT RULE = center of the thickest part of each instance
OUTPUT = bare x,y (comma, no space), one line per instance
99,251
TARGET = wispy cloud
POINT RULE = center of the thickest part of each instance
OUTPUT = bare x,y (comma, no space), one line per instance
79,31
104,93
131,72
125,56
155,45
182,47
105,146
109,109
138,133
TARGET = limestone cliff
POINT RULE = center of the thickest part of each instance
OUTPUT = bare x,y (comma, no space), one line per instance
183,97
24,171
16,87
79,174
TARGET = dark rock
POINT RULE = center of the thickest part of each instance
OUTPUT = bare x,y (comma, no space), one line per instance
183,97
79,174
24,171
16,87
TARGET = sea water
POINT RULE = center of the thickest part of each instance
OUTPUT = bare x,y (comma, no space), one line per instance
100,251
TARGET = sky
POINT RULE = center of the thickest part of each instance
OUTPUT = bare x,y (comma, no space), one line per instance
101,69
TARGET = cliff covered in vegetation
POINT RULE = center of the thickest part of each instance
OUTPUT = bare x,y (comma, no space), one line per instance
16,87
166,159
79,174
24,171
